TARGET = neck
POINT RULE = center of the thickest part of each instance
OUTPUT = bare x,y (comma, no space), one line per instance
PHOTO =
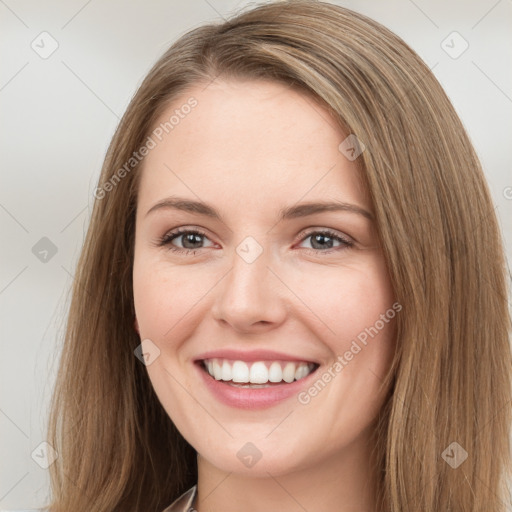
345,482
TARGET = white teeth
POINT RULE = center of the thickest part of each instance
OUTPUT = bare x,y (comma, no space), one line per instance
301,371
289,372
275,373
258,372
239,371
226,371
217,370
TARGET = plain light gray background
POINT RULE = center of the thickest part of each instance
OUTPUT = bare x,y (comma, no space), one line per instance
58,115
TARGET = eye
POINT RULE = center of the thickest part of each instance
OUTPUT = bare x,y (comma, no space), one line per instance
190,239
322,241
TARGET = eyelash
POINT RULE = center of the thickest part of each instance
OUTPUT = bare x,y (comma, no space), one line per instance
169,237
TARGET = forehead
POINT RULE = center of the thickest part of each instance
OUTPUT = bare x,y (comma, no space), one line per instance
258,139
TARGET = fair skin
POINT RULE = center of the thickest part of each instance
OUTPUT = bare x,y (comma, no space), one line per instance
250,149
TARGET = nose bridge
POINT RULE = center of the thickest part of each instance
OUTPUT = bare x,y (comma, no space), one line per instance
249,294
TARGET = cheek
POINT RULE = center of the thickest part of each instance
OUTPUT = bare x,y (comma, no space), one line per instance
345,300
163,295
164,300
355,306
341,301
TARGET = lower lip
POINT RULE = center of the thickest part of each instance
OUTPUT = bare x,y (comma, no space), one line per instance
252,398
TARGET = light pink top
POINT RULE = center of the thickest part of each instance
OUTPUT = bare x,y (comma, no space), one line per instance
185,503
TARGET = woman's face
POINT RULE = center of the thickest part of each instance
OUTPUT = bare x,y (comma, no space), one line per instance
269,288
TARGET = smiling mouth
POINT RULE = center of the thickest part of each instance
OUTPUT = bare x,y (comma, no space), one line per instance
257,374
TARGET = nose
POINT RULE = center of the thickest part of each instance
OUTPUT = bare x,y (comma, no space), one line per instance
250,298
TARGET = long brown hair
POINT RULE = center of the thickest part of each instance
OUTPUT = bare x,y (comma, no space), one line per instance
451,375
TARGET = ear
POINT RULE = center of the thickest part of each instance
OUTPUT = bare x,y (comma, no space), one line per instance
136,325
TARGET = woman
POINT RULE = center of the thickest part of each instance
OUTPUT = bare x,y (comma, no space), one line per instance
292,291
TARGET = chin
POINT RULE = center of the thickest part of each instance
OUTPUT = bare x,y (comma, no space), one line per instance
257,459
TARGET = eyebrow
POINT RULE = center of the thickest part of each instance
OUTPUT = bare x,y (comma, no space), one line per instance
292,212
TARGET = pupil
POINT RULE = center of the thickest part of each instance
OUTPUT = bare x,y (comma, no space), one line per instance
321,238
190,238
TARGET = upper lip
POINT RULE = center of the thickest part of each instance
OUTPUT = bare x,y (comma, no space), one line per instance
252,355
